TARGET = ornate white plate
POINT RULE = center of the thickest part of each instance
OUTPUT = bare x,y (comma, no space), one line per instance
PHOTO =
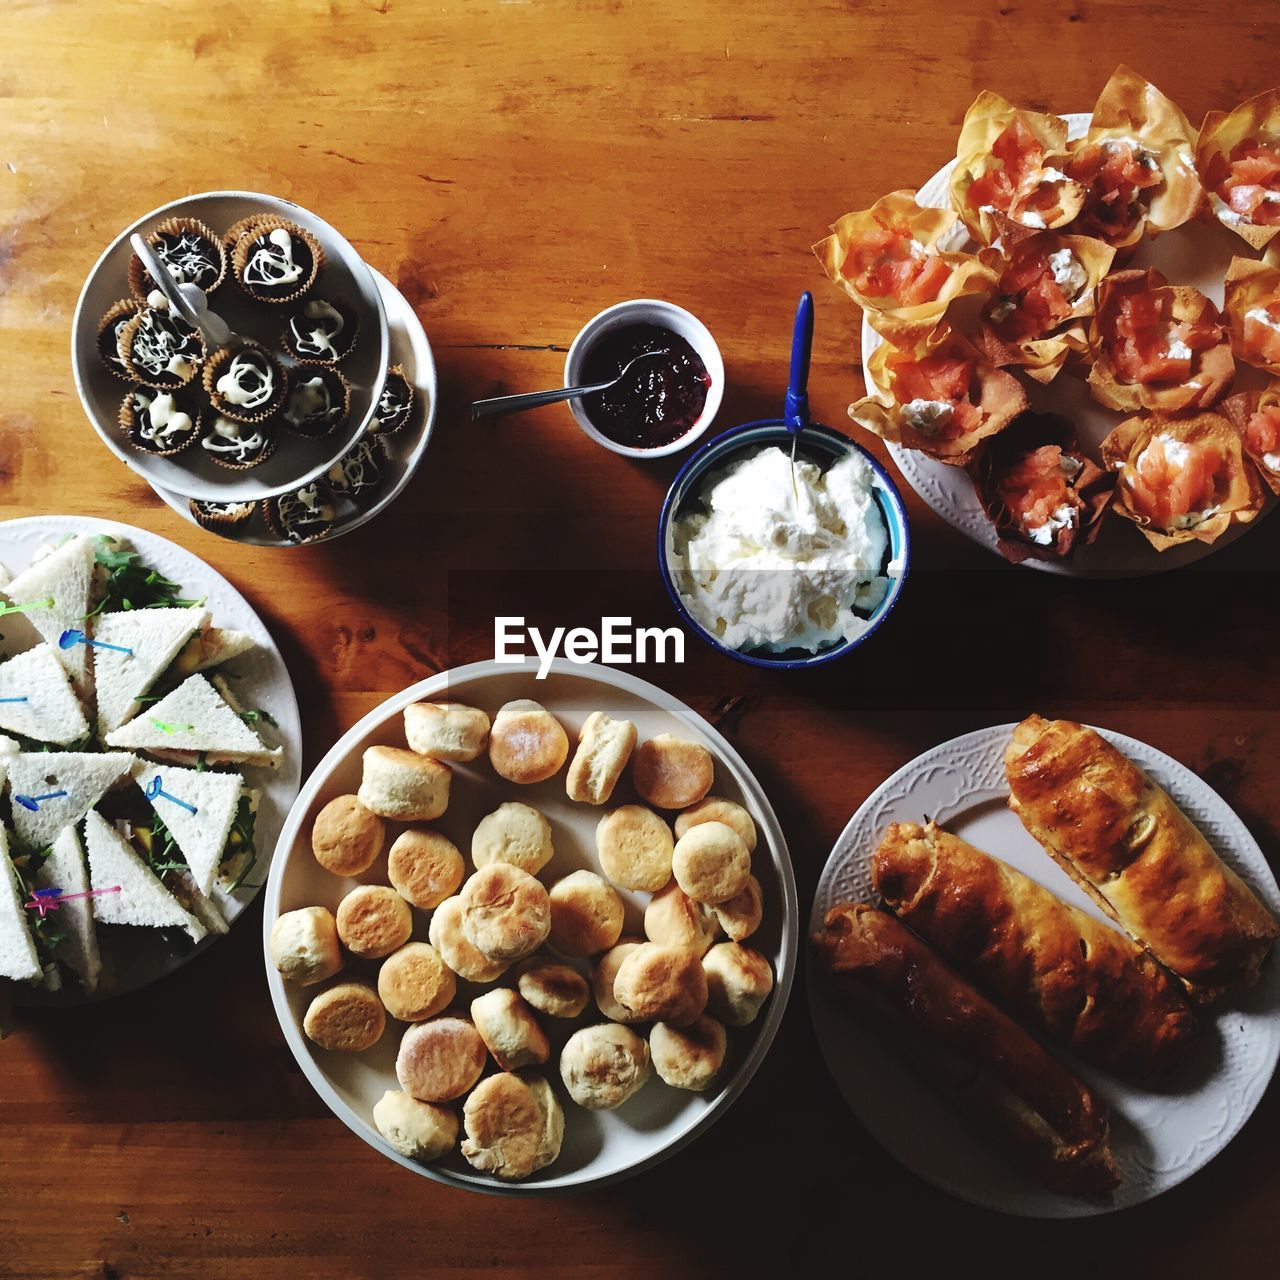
1160,1137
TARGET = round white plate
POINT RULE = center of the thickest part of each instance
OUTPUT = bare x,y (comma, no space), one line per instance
296,460
409,349
599,1146
1197,254
136,957
1159,1137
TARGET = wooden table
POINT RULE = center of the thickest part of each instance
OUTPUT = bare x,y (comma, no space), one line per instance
514,167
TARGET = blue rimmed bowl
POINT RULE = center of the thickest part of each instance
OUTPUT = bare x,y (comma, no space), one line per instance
817,444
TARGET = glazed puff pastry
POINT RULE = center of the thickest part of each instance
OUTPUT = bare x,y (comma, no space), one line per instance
1126,842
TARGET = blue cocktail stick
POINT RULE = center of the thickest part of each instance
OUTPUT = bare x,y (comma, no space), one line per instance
33,802
156,791
72,637
24,698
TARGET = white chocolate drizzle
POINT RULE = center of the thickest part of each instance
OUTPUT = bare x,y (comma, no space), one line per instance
304,512
249,381
159,423
188,257
235,441
271,264
315,327
311,404
164,344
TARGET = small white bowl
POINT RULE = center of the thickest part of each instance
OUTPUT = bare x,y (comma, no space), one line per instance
668,316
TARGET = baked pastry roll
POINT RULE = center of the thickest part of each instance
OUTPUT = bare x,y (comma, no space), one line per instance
1126,842
1079,981
1238,159
979,1059
1136,164
1008,180
1251,303
1157,345
1256,415
940,396
890,260
1181,479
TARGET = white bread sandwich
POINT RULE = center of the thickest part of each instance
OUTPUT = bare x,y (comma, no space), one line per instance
49,790
65,869
18,958
37,700
211,647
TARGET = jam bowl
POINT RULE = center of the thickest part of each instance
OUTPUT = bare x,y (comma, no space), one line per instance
668,399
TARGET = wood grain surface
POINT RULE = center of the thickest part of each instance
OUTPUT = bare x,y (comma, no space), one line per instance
514,167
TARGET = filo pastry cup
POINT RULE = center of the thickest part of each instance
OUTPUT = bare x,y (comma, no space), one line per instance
1238,159
891,260
940,397
1182,479
1256,415
1251,304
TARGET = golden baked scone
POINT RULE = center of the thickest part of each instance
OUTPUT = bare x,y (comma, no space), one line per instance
604,748
586,914
711,863
401,784
671,772
555,989
688,1057
416,1129
740,916
440,1059
415,983
718,809
1053,965
514,1126
604,1065
634,846
515,833
673,919
1112,829
509,1030
445,934
347,837
373,921
304,946
527,743
605,973
506,913
738,982
424,867
348,1017
661,984
446,730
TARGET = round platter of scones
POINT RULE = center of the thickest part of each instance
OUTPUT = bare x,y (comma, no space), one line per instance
526,934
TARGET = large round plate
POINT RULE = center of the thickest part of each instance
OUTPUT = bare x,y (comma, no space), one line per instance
1197,254
599,1146
137,956
412,352
296,460
1159,1137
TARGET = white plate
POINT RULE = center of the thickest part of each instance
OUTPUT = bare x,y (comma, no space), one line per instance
409,349
296,460
137,956
1159,1137
1197,254
599,1146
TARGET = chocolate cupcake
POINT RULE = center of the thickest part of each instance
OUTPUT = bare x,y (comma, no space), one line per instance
395,404
159,348
192,253
244,383
302,516
110,327
276,261
238,446
360,471
320,330
318,400
237,230
158,422
221,517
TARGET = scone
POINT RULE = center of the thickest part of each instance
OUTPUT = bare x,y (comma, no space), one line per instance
738,983
347,837
415,983
446,730
514,1126
440,1059
555,989
527,743
403,785
604,1065
711,863
373,921
417,1129
506,913
510,1031
424,867
603,976
445,933
672,773
634,846
688,1057
673,919
604,748
348,1018
304,946
661,984
515,833
586,914
740,915
718,809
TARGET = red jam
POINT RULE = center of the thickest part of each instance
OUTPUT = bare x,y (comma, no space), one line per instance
658,400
